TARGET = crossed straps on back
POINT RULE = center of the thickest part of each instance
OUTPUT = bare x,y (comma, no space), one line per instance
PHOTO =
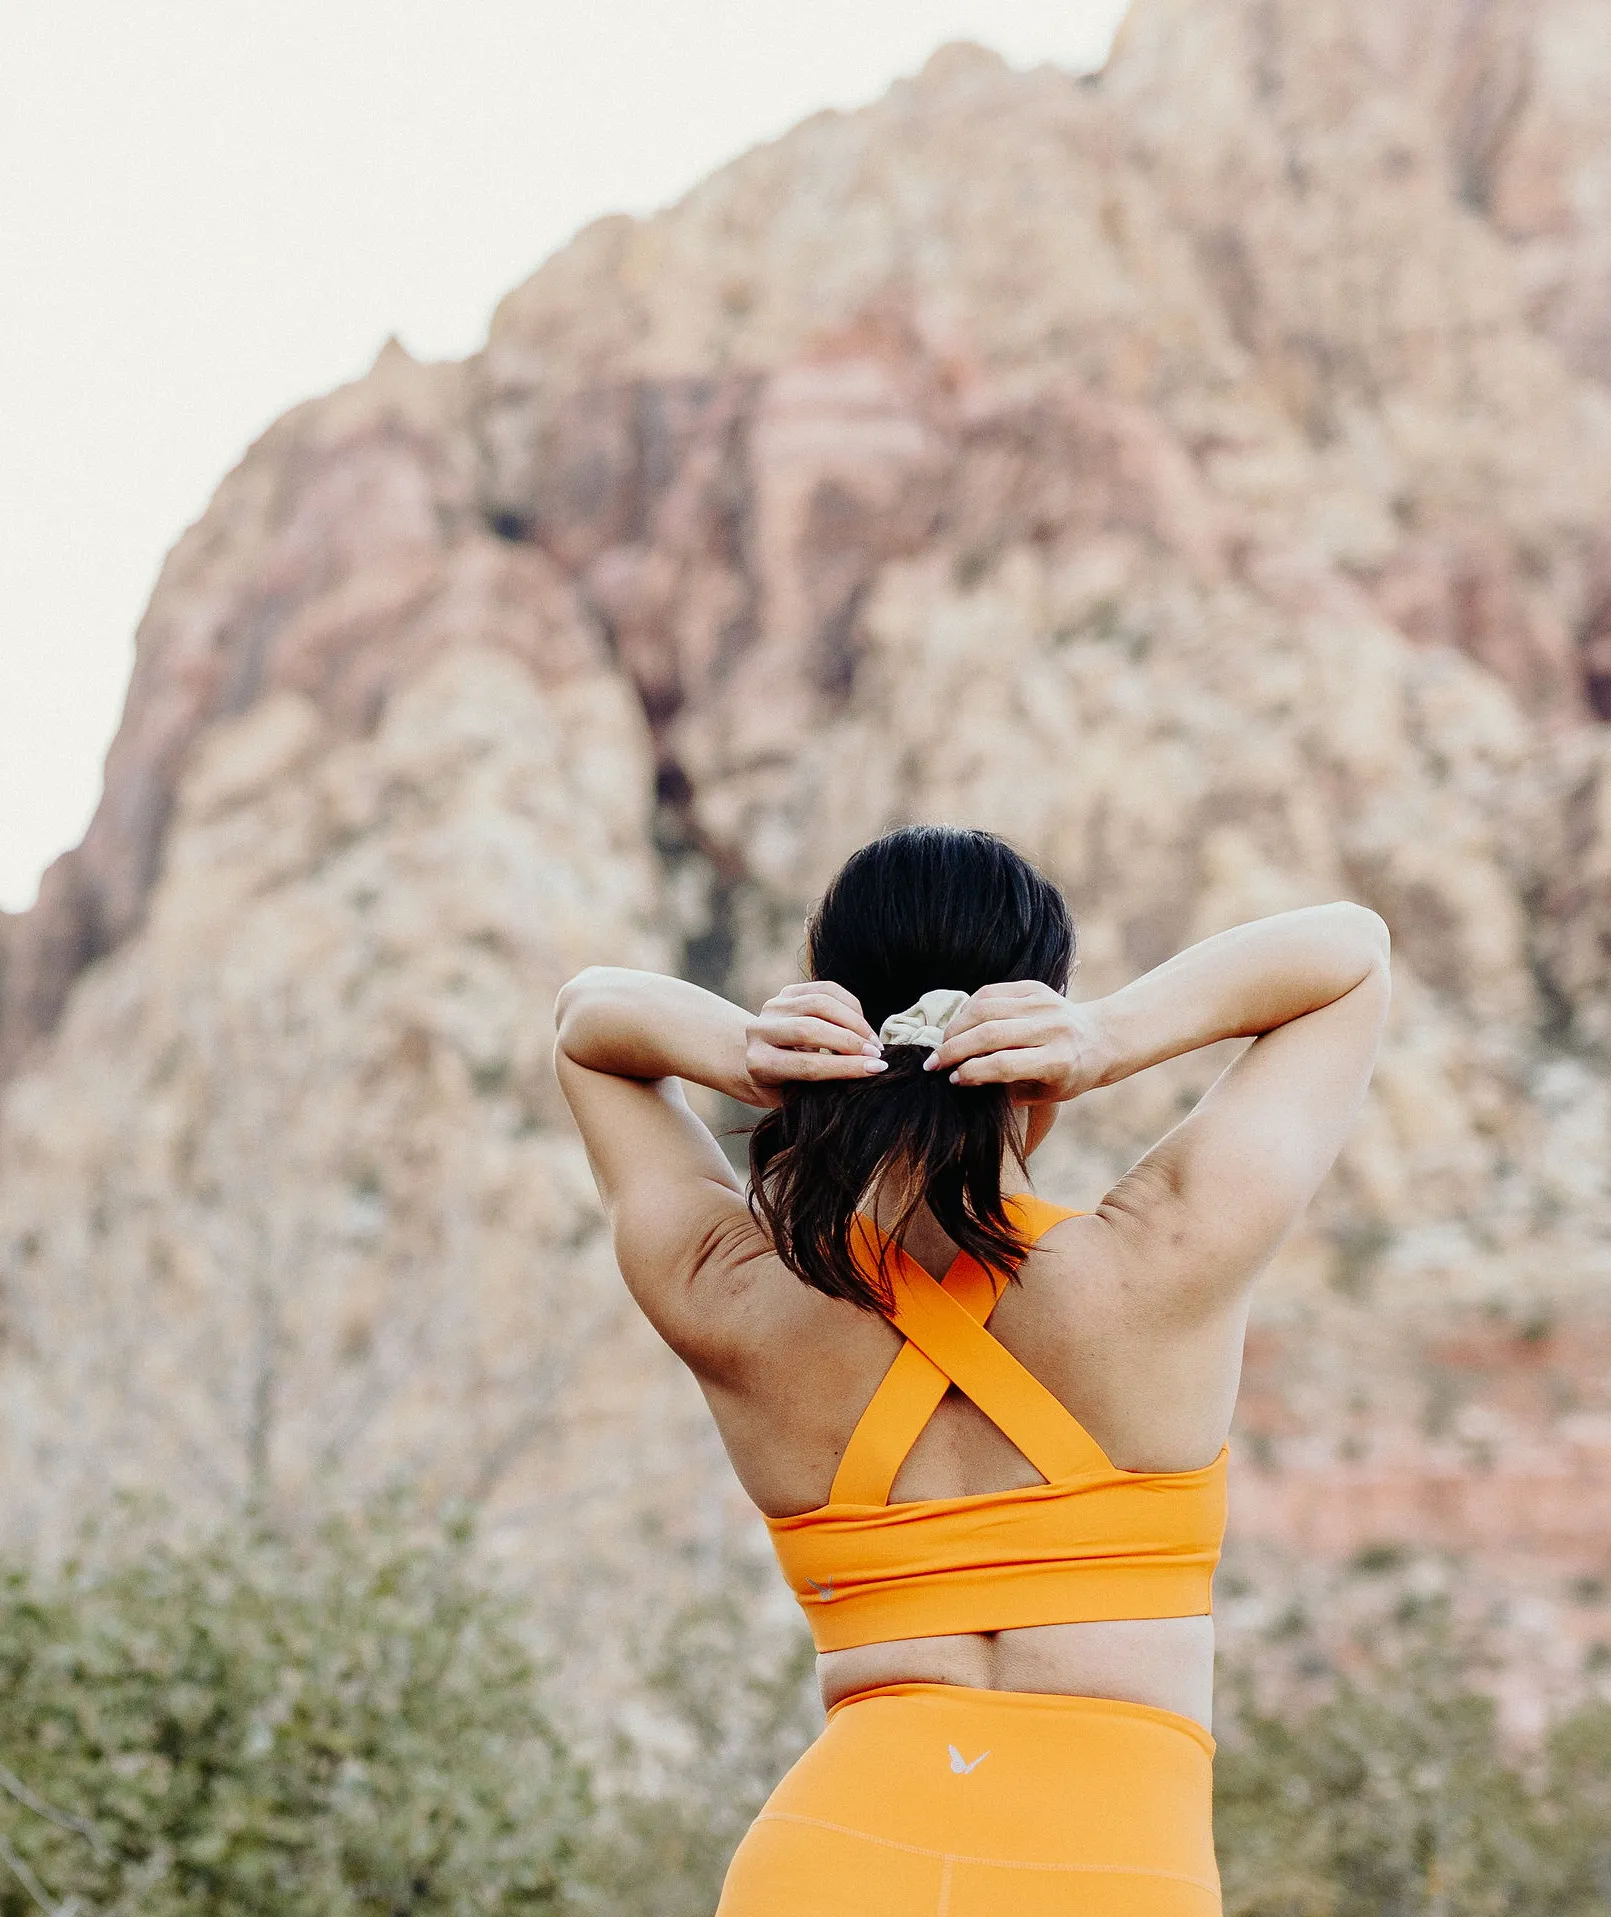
947,1344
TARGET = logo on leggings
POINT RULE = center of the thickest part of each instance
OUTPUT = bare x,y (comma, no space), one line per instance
961,1765
823,1591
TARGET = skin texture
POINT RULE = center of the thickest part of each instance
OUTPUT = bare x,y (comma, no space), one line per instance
1133,1316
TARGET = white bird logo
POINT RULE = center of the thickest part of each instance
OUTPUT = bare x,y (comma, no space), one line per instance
823,1591
961,1765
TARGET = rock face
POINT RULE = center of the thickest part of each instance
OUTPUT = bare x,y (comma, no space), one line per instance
1199,473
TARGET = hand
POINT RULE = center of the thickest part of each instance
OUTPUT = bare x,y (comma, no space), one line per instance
808,1033
1025,1035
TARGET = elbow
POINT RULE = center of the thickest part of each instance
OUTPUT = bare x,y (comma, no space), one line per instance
570,1006
1380,940
1367,932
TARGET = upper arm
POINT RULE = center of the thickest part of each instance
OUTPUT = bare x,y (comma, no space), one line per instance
673,1201
1206,1208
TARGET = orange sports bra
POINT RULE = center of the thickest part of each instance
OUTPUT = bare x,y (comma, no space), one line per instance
1091,1543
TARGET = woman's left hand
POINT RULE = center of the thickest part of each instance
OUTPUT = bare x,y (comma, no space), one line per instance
807,1033
1025,1035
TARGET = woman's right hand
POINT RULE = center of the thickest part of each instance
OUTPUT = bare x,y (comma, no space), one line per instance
1026,1035
807,1033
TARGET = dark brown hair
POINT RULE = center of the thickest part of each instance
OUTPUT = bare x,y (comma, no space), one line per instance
921,908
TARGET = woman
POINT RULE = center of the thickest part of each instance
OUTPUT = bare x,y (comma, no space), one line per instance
1003,1538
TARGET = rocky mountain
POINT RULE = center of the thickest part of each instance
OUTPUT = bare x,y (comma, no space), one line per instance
1200,472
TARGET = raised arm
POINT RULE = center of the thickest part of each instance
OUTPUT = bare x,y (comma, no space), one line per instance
644,1026
625,1039
1206,1207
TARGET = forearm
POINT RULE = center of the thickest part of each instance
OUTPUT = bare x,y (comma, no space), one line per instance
643,1025
1238,984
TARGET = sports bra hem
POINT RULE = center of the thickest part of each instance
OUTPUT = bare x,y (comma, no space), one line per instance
989,1600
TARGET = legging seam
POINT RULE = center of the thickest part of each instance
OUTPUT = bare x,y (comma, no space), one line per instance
943,1907
950,1857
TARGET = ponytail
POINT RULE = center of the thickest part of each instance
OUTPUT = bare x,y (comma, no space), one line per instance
922,907
815,1160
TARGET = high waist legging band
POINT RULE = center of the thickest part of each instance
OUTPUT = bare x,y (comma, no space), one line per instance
932,1800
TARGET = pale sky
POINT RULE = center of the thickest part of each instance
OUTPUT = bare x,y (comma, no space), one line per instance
211,209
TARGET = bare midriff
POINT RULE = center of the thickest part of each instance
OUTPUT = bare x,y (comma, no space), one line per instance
1167,1663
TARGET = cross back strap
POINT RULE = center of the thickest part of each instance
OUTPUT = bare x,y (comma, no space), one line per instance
947,1344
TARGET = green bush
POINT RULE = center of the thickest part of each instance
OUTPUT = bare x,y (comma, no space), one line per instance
1396,1797
340,1727
1575,1803
348,1726
739,1707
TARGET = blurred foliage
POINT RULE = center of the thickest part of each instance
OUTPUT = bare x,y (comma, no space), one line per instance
735,1709
348,1724
1396,1796
334,1727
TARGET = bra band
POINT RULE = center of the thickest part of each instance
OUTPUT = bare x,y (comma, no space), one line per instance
1093,1543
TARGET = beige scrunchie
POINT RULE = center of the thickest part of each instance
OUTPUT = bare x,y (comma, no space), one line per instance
923,1023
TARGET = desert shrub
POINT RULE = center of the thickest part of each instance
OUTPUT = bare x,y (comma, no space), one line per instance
1396,1796
1575,1806
348,1725
735,1703
340,1726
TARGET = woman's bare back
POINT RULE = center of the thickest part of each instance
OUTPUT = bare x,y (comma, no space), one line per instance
1155,1396
1133,1317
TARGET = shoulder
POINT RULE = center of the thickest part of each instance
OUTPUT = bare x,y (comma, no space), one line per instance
705,1274
1104,1263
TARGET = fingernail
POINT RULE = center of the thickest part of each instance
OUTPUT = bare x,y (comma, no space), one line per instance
956,1078
877,1065
872,1048
930,1062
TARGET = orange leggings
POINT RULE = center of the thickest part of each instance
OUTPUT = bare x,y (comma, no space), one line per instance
931,1800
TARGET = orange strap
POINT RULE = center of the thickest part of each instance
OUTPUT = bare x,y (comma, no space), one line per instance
905,1401
944,1324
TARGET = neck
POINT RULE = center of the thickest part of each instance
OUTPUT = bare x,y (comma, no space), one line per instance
924,1239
